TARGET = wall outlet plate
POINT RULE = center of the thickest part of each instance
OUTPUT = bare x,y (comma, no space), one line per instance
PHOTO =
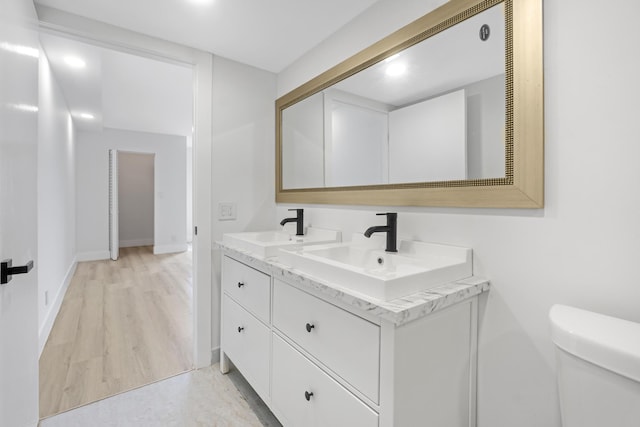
227,211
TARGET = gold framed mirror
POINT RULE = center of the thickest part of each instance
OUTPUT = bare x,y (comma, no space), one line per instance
320,124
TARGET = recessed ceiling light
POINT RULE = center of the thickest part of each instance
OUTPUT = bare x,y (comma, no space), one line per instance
396,69
87,116
75,62
19,49
24,107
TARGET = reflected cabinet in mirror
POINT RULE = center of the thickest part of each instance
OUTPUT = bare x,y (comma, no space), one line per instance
447,111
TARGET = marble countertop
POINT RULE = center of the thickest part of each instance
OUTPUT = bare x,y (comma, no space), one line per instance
397,311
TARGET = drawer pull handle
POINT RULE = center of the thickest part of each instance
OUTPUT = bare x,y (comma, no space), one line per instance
240,284
240,329
307,395
309,328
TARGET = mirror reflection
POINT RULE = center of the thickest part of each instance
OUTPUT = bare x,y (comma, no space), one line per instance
433,112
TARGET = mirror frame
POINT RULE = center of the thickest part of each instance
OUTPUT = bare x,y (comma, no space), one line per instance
523,184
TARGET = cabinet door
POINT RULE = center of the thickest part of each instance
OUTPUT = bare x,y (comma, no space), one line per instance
344,342
305,396
246,341
249,287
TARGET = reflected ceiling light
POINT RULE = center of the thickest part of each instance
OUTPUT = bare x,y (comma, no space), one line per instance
75,62
86,116
392,57
202,2
21,50
396,69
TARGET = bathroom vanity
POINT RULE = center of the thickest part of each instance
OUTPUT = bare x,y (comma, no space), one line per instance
319,354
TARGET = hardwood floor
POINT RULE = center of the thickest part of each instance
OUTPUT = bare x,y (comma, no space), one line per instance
122,324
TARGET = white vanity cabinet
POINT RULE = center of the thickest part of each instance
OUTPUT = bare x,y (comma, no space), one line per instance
305,395
245,333
342,341
317,360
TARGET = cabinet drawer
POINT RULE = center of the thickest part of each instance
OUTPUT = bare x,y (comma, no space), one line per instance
295,377
249,287
246,341
345,343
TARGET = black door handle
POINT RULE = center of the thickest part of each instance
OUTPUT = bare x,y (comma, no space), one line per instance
7,270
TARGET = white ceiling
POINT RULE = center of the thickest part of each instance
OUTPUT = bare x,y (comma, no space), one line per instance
128,92
120,90
268,34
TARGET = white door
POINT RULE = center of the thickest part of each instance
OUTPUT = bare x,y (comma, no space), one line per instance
18,240
114,210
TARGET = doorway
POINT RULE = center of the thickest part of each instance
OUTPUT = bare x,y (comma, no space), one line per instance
131,200
154,256
136,198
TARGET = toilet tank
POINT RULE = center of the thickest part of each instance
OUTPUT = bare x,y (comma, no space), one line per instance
598,368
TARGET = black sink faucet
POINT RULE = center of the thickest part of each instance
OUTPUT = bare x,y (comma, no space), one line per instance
299,220
391,229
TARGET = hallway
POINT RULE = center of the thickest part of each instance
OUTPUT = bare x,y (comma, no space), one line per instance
122,324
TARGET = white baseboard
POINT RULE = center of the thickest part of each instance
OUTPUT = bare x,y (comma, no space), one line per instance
93,256
169,249
47,325
135,242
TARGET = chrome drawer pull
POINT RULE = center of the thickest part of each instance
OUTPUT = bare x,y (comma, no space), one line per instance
240,284
240,329
307,395
310,327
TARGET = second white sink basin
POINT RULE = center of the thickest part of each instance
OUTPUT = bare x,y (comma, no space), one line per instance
363,266
265,244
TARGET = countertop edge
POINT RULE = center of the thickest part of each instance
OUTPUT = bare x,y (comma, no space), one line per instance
398,311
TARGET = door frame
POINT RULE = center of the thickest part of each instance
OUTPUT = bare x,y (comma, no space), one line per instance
114,206
104,35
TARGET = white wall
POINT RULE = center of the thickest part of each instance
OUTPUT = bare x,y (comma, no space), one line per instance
303,143
356,145
135,198
92,188
582,248
427,140
243,158
56,199
485,128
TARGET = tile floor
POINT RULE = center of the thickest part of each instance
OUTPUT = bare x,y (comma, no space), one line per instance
202,398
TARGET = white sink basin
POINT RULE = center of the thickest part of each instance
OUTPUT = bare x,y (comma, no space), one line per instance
265,244
363,266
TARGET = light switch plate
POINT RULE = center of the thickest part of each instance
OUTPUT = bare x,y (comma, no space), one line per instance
226,211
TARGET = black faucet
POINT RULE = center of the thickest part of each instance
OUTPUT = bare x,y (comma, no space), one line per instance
391,229
299,220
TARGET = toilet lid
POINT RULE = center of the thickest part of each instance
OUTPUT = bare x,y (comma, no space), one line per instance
605,341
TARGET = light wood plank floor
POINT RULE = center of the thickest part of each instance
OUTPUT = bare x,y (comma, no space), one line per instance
122,324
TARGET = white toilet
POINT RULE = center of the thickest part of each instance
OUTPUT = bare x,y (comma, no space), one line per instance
598,361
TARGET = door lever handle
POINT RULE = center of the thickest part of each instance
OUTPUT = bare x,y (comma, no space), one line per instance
7,270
